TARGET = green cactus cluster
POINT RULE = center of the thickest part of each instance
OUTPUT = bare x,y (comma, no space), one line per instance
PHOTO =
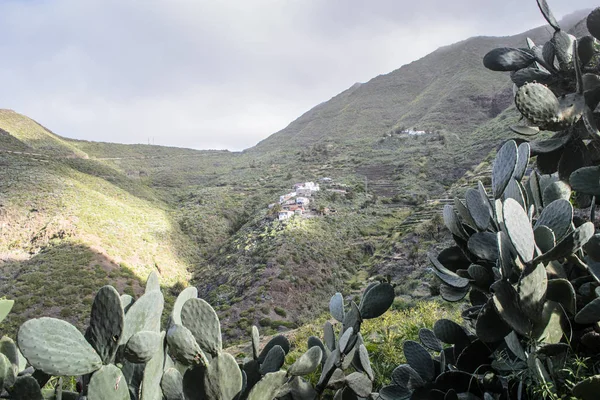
124,354
557,88
525,263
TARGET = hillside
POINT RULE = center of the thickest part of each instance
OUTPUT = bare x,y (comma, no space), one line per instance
69,224
77,214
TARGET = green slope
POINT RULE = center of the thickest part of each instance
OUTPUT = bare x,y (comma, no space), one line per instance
33,137
57,207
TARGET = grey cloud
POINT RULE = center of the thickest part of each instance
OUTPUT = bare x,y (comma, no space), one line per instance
218,74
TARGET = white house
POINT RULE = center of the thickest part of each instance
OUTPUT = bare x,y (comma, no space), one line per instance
414,133
304,192
312,186
283,215
308,189
286,197
302,200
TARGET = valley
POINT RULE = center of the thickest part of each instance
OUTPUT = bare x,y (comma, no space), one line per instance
75,215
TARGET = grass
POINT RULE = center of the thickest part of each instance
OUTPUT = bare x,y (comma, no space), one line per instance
34,137
383,336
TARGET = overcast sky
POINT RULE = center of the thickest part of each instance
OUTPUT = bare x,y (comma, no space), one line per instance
219,74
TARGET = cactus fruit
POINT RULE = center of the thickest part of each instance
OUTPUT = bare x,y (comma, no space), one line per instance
538,104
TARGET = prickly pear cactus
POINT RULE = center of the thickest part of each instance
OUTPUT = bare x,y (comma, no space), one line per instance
525,259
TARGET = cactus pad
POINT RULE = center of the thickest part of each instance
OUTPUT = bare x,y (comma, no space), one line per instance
544,238
108,383
508,59
143,315
377,300
255,342
172,385
588,388
187,293
450,332
571,243
419,359
557,216
504,167
268,387
307,363
273,361
153,282
448,277
183,346
586,180
484,245
506,302
329,336
153,372
223,378
200,318
142,346
519,229
26,388
590,313
57,347
489,326
5,307
593,23
452,222
278,340
107,320
547,13
360,384
479,208
336,307
429,340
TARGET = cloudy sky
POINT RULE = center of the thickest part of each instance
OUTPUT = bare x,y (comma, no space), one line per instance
219,74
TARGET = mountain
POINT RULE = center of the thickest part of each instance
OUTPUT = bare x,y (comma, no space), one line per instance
75,215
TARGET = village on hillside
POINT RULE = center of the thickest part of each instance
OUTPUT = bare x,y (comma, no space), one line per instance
296,202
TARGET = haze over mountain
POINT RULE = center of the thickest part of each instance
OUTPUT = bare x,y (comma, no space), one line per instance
210,75
79,214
